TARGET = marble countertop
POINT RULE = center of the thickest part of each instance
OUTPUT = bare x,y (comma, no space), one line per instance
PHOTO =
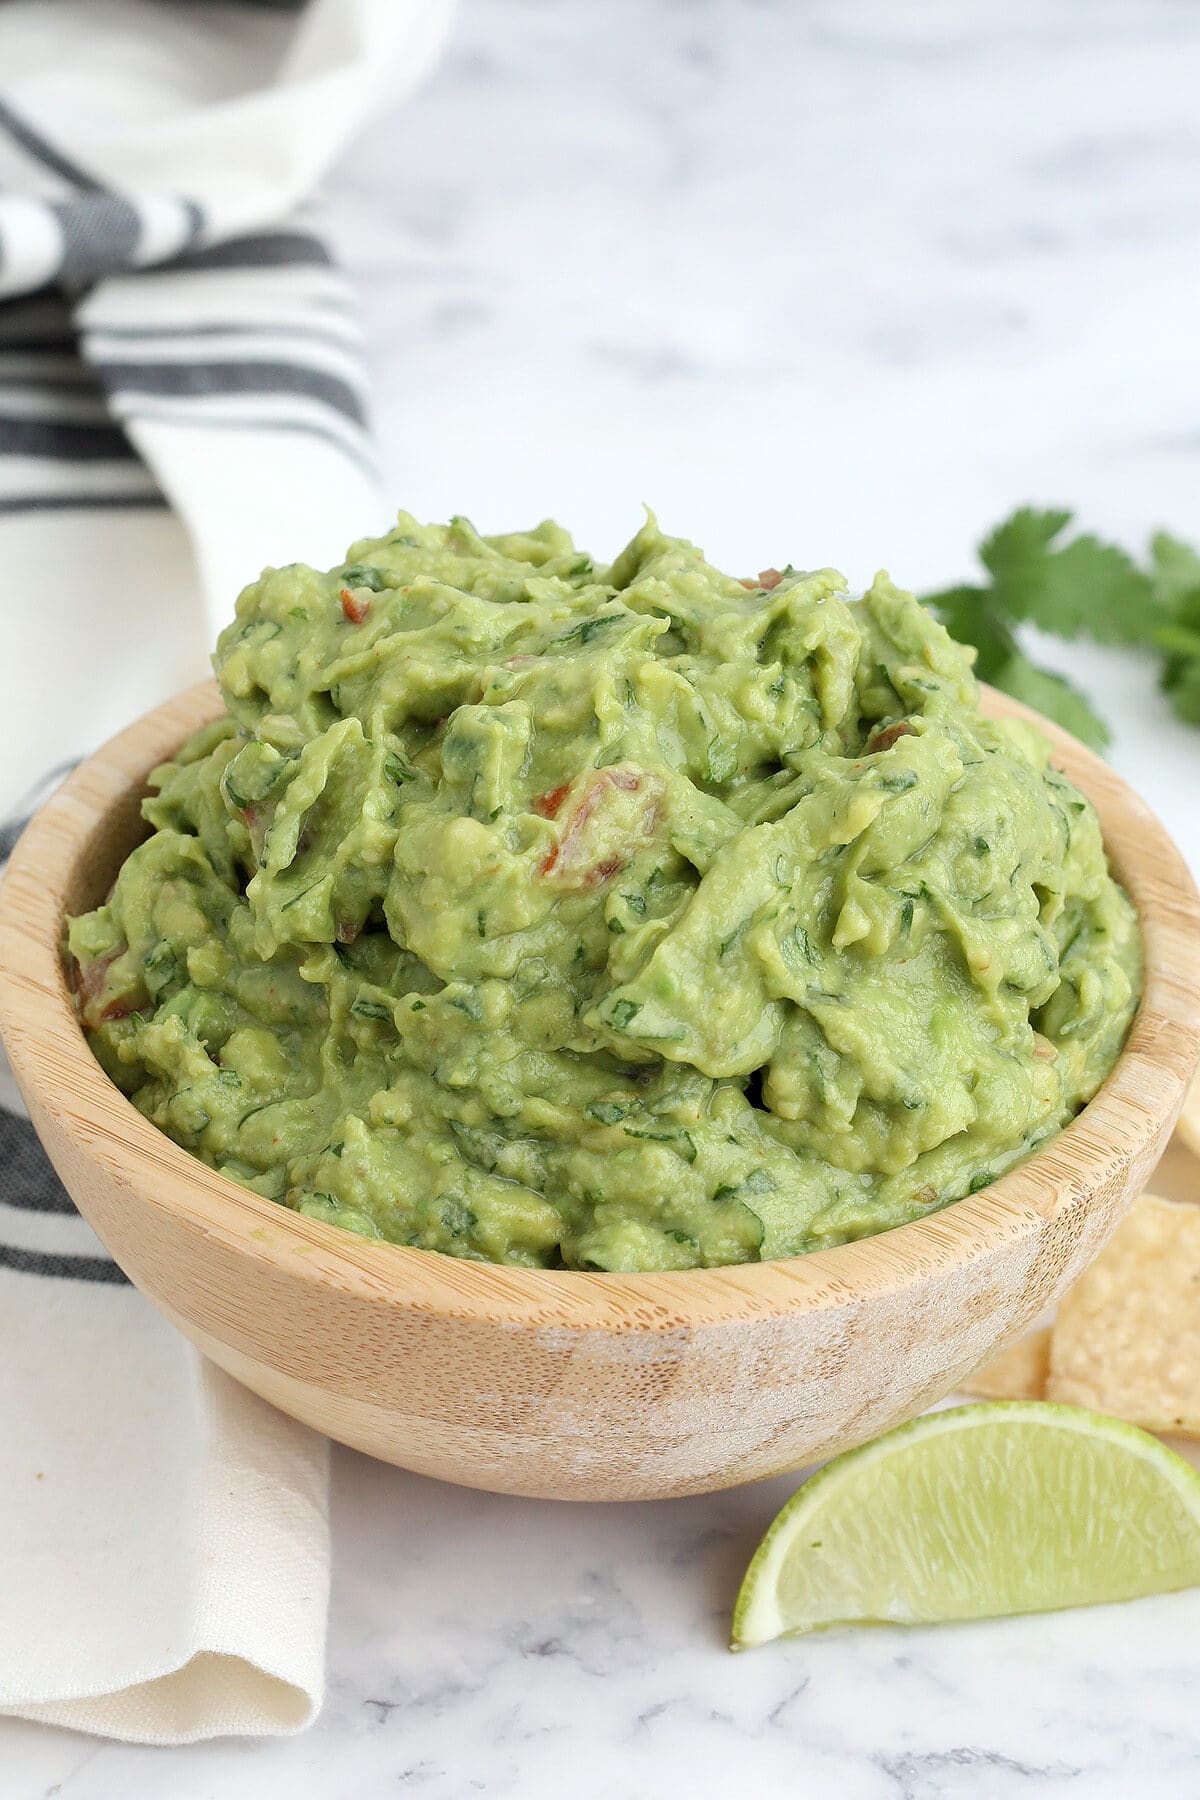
532,1650
824,283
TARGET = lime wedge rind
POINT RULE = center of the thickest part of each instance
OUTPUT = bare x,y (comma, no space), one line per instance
976,1512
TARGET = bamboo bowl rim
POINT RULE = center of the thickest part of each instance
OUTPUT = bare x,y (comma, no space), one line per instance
54,1065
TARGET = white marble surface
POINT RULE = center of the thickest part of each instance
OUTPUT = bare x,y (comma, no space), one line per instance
827,282
534,1651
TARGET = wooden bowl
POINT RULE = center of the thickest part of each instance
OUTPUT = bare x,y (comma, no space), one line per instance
583,1386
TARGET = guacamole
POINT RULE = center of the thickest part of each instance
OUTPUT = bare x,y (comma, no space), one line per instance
632,917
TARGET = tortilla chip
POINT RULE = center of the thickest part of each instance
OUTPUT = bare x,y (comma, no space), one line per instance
1127,1337
1018,1373
1188,1126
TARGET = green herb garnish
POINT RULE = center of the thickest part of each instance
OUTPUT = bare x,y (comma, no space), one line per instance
1072,587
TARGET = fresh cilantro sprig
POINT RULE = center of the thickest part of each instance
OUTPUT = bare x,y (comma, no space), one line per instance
1177,579
1073,587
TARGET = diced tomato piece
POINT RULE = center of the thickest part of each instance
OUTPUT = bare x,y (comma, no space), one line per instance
256,825
766,578
346,933
90,978
567,860
118,1009
89,985
602,871
355,606
547,805
628,779
883,740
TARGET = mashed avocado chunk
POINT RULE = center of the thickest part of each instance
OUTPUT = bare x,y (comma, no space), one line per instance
635,917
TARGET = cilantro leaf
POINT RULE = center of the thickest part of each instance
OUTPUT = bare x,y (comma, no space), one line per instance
1081,588
1055,697
1174,570
1021,539
971,615
1181,680
1078,587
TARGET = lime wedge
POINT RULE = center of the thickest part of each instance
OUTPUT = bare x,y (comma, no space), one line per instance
975,1513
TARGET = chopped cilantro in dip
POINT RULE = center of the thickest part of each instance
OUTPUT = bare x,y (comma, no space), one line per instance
636,917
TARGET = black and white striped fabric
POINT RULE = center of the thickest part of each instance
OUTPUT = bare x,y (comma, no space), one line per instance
253,334
271,343
182,398
41,1232
182,401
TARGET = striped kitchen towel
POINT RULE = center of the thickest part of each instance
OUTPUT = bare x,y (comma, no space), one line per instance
181,390
181,401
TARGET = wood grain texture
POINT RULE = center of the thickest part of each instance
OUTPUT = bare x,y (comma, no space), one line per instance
588,1386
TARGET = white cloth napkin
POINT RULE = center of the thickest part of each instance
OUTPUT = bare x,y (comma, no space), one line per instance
165,1563
181,401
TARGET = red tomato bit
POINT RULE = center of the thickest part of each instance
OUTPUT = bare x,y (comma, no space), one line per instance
602,871
883,740
89,985
256,825
547,805
354,606
89,981
565,857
